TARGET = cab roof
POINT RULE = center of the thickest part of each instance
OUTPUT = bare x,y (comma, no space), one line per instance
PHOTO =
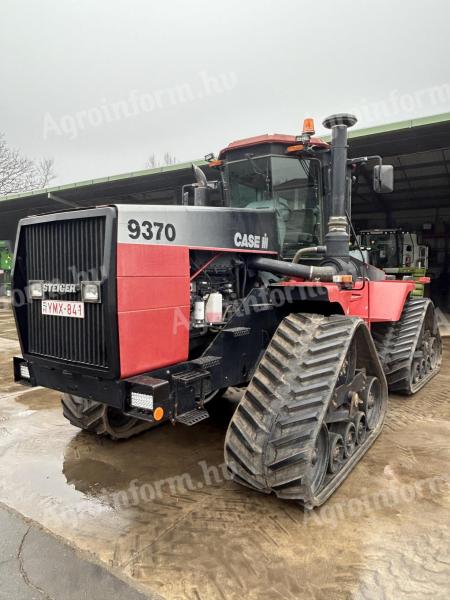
268,138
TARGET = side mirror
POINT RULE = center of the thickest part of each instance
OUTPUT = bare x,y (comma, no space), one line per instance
383,179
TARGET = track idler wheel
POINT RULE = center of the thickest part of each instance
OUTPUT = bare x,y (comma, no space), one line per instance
348,433
336,459
360,428
319,460
418,371
434,353
372,397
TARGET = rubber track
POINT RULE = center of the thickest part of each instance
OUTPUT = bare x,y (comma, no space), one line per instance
271,436
93,416
396,344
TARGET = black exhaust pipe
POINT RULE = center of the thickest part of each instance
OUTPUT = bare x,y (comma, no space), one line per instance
337,239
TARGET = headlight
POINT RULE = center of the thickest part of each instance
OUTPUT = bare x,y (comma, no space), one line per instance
90,291
24,371
144,401
36,290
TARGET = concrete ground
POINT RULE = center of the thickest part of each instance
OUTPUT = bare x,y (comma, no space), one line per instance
34,565
158,511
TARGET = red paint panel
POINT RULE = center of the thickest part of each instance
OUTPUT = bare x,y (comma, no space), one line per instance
140,293
150,339
153,306
147,260
387,299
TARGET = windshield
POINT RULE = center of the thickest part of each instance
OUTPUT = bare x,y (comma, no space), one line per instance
289,186
248,181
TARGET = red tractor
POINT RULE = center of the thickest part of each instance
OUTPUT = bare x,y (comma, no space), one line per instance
141,314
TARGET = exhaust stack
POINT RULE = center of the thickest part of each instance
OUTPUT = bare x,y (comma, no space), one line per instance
337,239
201,190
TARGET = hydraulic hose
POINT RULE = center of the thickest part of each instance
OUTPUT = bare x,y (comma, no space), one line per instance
311,250
291,269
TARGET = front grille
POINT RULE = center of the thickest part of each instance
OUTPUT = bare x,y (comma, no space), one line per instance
67,251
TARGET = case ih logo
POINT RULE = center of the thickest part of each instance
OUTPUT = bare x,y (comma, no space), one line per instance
248,240
59,288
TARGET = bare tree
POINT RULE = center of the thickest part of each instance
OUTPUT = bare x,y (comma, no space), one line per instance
19,173
45,173
153,161
169,159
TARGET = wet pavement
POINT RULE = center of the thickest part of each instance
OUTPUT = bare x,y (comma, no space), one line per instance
158,510
35,565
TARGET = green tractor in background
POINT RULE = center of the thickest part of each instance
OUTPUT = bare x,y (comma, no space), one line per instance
5,268
398,253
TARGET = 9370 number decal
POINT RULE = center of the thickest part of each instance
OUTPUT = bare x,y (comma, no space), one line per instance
151,230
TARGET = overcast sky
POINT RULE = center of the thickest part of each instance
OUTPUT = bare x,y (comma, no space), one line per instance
99,85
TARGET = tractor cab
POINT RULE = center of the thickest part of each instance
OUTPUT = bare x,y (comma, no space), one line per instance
260,173
272,172
292,176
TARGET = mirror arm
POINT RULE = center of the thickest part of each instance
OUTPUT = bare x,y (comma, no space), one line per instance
365,159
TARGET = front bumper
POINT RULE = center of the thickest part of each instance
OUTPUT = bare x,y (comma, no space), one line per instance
118,394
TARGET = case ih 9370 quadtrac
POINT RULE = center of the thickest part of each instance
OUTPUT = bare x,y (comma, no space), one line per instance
141,314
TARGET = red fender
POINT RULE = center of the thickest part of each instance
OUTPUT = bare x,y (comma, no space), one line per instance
373,301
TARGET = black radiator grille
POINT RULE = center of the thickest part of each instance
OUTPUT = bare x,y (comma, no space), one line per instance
67,251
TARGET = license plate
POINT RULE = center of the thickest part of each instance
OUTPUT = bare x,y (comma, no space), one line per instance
63,308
